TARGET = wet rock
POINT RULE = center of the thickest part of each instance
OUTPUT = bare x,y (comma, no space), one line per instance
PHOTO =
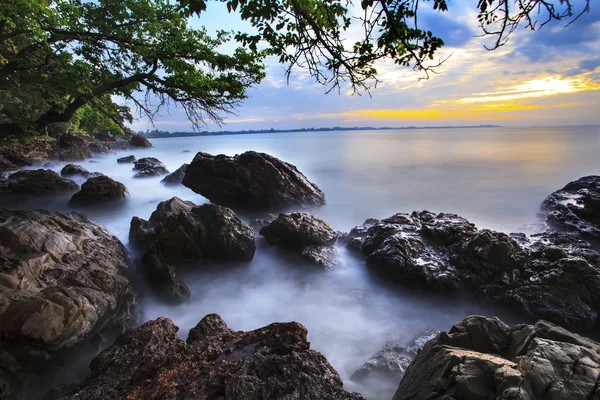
101,189
6,164
323,256
179,231
549,275
482,358
575,208
390,363
299,230
251,180
273,362
176,177
208,327
71,148
63,281
73,169
40,182
139,141
97,148
149,167
126,160
145,162
164,278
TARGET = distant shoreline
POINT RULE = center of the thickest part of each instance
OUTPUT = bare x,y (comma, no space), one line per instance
157,134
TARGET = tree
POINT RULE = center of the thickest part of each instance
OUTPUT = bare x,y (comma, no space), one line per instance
57,56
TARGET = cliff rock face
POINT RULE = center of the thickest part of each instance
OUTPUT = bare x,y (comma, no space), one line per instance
575,208
151,362
484,359
554,276
251,180
63,279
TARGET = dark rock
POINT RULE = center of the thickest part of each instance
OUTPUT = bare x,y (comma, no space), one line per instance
73,169
299,230
139,141
145,162
149,172
176,177
72,148
40,182
64,280
209,326
251,180
552,275
185,151
575,208
126,160
482,358
273,362
96,148
164,278
100,189
323,256
6,164
179,231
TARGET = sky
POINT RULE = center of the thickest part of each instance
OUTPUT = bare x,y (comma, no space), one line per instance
544,78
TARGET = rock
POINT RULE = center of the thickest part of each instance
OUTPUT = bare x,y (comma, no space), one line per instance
185,151
273,362
176,177
101,189
126,160
73,169
179,231
96,148
149,167
299,230
40,182
210,326
139,141
551,275
63,281
323,256
6,164
164,278
390,363
575,208
71,148
251,180
145,162
482,358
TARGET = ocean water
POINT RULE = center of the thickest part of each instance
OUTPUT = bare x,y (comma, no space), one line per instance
495,177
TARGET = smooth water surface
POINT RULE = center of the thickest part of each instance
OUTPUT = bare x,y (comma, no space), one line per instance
495,177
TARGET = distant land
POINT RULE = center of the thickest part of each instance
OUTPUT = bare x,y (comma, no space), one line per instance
155,133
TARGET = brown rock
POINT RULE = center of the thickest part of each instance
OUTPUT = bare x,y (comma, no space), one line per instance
40,182
100,189
138,140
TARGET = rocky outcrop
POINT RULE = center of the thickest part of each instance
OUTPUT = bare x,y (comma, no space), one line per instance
63,281
176,177
139,141
40,182
164,278
73,170
71,148
97,148
552,275
6,164
180,231
482,358
274,362
251,180
101,189
148,167
311,237
390,363
575,208
126,160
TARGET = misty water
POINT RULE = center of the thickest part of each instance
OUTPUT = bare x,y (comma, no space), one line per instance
495,177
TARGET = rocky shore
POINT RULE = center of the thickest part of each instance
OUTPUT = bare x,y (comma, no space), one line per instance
66,282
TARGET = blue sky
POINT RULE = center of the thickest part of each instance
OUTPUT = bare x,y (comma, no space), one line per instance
547,77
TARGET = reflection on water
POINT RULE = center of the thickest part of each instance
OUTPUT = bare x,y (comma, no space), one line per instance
494,177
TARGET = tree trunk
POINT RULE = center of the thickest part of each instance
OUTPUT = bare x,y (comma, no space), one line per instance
52,115
8,129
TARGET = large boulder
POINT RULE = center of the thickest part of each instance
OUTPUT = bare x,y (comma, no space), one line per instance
484,359
251,180
40,182
63,281
575,208
71,148
74,170
310,236
126,160
176,177
138,140
149,167
552,275
273,362
179,231
100,189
